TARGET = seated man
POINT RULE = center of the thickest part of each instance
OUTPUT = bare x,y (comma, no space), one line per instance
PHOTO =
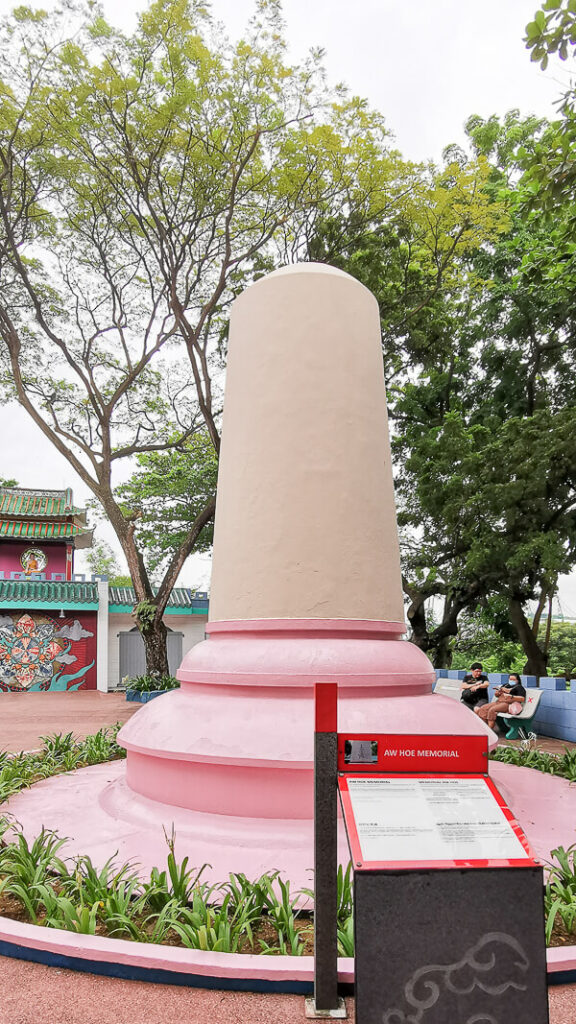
474,687
507,694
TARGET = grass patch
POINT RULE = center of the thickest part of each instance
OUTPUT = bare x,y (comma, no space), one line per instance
526,756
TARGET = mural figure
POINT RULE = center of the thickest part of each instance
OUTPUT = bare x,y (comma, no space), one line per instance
33,654
33,560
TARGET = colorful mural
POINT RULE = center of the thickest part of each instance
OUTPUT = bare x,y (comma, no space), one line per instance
38,652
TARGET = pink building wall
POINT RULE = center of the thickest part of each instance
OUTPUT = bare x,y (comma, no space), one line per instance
11,551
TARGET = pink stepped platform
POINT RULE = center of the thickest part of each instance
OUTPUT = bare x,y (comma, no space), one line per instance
227,763
227,760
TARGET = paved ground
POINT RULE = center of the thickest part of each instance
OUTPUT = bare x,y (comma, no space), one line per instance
25,717
34,994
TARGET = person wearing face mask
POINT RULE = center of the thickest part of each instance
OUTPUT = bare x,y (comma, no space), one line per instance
506,698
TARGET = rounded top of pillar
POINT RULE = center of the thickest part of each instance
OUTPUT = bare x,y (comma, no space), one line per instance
306,269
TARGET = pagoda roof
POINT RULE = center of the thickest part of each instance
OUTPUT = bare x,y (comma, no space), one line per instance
27,514
182,601
38,594
33,504
39,531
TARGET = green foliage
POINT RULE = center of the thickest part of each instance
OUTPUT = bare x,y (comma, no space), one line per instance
102,561
178,883
59,753
484,439
486,636
562,649
560,895
552,31
167,493
283,912
150,683
174,903
145,613
550,170
24,867
564,765
150,177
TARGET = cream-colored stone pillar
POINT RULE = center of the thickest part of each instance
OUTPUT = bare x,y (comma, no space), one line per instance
305,520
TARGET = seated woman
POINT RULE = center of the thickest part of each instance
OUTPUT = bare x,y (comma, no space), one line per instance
504,696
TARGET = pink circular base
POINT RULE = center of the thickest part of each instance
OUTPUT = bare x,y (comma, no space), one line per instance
102,817
237,738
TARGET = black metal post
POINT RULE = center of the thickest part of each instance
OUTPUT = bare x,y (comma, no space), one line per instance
326,848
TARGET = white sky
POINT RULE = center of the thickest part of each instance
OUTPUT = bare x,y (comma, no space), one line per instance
427,65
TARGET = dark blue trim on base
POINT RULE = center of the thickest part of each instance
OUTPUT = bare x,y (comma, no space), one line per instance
156,975
160,976
561,978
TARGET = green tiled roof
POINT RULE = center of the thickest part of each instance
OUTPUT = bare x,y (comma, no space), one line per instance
25,593
20,501
182,600
39,531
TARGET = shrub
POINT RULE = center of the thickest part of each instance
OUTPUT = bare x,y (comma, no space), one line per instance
152,682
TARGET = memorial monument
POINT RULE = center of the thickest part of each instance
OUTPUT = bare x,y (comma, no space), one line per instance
306,581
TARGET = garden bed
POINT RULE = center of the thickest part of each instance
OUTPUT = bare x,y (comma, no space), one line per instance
174,906
145,688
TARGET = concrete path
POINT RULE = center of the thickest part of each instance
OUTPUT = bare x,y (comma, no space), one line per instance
25,717
33,994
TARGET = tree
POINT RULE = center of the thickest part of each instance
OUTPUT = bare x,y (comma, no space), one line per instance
562,650
102,561
551,169
487,454
552,31
487,636
168,492
479,361
144,181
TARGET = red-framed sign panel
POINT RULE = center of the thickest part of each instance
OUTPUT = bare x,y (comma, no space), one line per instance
412,753
494,803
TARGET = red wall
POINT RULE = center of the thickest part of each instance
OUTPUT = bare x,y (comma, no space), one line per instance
10,552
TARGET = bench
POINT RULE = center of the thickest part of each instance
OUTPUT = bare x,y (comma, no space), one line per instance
524,719
449,688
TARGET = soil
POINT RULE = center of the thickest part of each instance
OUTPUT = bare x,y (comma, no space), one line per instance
561,936
265,934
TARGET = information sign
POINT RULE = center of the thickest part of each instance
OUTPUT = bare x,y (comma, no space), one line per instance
412,753
442,821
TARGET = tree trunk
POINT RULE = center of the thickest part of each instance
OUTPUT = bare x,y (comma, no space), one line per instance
548,627
154,636
442,653
438,642
416,615
536,658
